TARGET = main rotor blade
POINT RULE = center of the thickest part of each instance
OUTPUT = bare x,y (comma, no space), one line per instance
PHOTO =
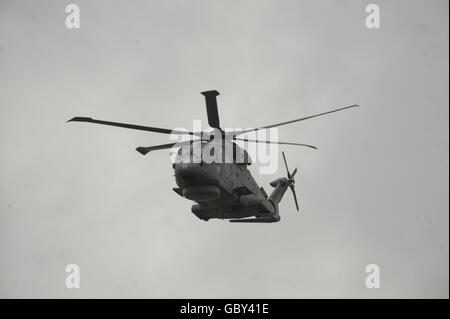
293,121
211,108
295,196
145,150
131,126
273,142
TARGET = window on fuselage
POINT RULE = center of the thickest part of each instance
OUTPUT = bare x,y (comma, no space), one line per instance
190,153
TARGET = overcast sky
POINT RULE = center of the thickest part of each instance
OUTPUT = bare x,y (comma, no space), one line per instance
376,191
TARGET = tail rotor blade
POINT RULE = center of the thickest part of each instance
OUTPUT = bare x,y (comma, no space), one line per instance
285,163
295,196
293,173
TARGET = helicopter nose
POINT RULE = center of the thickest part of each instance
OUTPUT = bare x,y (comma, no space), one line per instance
196,181
192,174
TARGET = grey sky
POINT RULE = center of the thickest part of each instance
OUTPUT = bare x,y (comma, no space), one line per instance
376,191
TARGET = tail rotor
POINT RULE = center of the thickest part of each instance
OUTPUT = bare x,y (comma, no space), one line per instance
291,181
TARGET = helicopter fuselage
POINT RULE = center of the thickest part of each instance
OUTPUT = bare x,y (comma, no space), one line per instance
223,191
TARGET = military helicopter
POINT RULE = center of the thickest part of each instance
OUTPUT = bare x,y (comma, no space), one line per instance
223,188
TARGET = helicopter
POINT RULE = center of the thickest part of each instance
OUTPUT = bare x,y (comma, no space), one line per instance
222,188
